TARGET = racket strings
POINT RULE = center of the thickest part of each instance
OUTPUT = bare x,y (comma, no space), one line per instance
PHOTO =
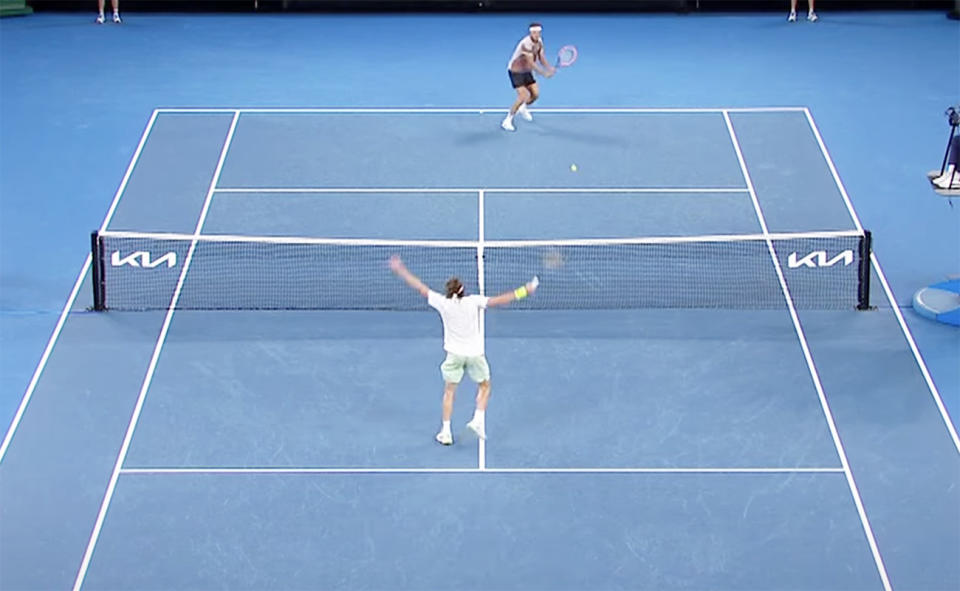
567,55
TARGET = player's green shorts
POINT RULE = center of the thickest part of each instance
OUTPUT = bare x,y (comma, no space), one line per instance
453,366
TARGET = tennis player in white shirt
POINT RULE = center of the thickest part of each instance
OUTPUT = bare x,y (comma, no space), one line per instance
520,68
462,341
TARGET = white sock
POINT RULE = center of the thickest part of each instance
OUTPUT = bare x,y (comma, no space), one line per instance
509,117
478,415
446,427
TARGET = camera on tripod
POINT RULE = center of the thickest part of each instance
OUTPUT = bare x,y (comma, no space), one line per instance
953,115
946,181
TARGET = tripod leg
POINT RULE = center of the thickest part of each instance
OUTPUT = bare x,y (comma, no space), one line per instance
946,155
949,179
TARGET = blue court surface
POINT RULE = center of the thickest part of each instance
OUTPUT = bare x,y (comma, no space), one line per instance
682,448
794,446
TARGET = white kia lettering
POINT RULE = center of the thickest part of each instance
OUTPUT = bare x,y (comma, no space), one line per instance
818,258
143,259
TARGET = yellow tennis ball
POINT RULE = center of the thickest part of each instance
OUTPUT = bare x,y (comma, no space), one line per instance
573,168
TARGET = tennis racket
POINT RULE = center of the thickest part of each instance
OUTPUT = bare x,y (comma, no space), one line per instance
552,259
566,56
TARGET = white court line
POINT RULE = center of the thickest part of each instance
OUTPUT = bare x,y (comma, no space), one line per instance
481,443
934,392
28,395
475,110
307,470
916,354
43,359
148,378
814,374
472,190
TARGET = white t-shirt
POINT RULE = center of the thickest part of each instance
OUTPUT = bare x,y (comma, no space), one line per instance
461,322
528,46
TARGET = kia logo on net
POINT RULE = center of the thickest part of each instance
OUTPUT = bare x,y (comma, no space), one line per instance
143,259
818,258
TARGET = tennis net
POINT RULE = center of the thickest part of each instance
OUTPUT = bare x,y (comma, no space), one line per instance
148,271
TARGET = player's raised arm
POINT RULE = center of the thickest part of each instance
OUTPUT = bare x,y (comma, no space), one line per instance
397,266
517,294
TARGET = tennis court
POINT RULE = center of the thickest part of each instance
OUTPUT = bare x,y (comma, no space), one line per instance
690,438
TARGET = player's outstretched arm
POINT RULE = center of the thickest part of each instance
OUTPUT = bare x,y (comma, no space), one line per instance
517,294
397,266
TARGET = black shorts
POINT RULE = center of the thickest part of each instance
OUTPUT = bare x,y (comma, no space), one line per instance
518,79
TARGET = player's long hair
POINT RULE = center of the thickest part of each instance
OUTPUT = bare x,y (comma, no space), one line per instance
454,288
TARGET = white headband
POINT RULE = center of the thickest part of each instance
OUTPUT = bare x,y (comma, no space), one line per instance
536,29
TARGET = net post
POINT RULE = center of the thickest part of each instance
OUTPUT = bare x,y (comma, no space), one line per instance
863,293
96,257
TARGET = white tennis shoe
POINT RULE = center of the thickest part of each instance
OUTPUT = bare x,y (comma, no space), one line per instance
951,181
116,18
477,427
507,124
445,437
793,17
951,175
524,112
812,17
100,19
